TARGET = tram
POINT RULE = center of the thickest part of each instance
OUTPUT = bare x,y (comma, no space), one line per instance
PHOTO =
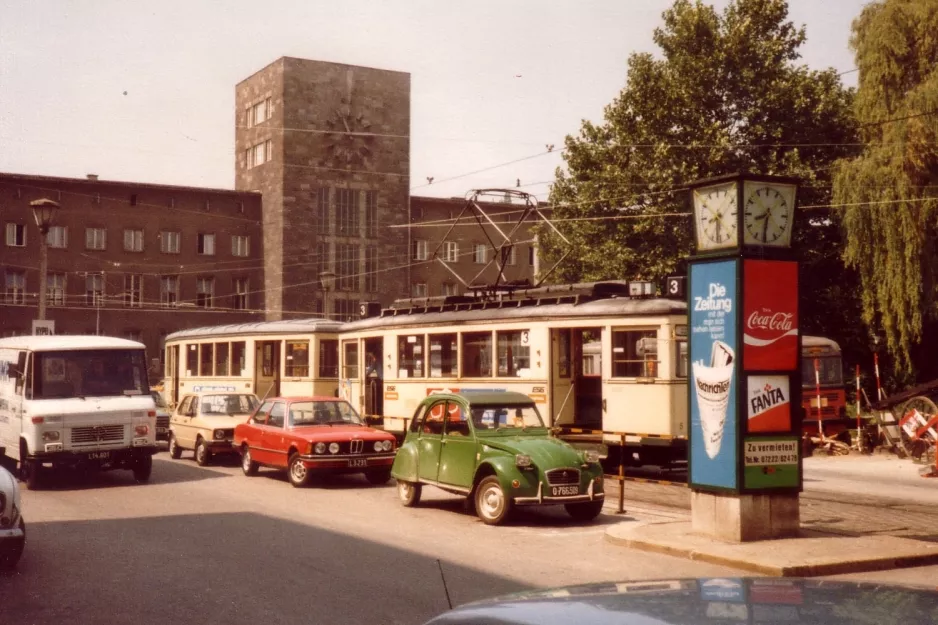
593,356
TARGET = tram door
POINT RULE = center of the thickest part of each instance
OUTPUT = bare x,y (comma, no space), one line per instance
172,366
374,375
587,370
267,369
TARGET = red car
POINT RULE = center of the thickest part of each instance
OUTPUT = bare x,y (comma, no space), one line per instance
307,435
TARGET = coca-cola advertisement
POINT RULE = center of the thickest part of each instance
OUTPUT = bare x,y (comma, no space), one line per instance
770,315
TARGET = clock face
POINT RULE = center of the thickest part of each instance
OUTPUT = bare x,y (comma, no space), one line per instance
350,142
715,214
768,212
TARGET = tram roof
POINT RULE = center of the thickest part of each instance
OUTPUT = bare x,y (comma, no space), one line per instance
288,326
518,310
818,341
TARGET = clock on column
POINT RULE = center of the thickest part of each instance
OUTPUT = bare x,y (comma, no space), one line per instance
715,217
768,213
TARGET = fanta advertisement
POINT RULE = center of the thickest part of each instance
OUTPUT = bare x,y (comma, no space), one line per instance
769,403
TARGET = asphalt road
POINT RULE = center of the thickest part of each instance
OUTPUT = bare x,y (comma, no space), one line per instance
209,545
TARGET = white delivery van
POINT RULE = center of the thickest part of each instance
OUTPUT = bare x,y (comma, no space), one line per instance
76,400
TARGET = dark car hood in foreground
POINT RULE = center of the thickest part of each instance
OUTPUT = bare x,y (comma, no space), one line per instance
711,601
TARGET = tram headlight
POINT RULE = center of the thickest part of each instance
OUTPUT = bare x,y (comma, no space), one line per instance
320,448
523,460
333,448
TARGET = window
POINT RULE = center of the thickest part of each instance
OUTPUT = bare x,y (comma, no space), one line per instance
512,255
15,287
449,288
57,237
563,353
260,112
206,246
133,290
680,333
259,154
170,242
239,358
410,356
634,354
371,268
350,363
371,214
532,258
477,354
346,210
421,249
345,309
221,359
192,360
450,251
322,210
205,292
133,335
479,254
444,355
297,364
95,238
513,353
348,273
322,258
240,297
55,289
328,358
240,245
206,358
169,290
133,240
16,235
418,289
94,290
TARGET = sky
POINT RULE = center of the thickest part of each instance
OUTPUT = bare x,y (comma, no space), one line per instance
144,91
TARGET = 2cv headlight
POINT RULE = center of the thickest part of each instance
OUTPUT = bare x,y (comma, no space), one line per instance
523,461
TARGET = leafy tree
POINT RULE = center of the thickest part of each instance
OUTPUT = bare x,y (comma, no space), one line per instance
725,94
890,222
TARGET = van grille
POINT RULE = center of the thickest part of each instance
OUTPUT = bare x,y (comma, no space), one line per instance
560,477
162,421
97,434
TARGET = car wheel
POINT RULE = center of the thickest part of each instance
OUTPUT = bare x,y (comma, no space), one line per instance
584,511
409,492
202,454
31,472
175,451
299,474
379,477
492,505
10,554
248,466
143,467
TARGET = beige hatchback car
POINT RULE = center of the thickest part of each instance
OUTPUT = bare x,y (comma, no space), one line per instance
205,422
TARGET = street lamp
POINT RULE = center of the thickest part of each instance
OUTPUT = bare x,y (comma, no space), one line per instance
44,211
327,281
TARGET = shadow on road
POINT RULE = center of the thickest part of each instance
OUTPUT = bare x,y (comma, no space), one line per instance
165,471
227,568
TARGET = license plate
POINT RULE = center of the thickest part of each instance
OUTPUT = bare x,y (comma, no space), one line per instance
358,462
99,455
563,491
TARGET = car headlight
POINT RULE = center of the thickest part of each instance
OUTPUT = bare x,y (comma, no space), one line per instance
320,448
218,434
523,460
379,445
141,430
333,448
49,437
388,445
591,456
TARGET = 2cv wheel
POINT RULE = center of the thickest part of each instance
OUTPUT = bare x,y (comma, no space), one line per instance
492,505
409,492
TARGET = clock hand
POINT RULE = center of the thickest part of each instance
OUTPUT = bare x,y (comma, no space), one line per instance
765,225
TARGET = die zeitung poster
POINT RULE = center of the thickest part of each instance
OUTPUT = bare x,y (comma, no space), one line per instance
768,403
713,386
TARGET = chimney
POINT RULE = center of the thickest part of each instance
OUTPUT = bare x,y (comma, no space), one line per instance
92,177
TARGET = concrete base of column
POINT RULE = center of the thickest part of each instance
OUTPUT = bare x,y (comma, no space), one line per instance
744,518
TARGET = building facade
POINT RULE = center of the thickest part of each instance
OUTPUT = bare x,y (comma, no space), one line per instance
131,260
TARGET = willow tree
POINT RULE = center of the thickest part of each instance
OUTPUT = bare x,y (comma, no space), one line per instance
725,93
890,190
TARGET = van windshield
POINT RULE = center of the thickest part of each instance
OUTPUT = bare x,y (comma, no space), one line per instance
89,373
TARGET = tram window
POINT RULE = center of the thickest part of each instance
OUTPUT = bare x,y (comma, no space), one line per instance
513,353
410,356
477,354
168,362
205,359
350,364
297,364
444,355
238,358
328,358
192,359
221,358
681,358
564,353
632,355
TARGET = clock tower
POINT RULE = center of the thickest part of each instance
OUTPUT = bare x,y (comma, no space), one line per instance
328,145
